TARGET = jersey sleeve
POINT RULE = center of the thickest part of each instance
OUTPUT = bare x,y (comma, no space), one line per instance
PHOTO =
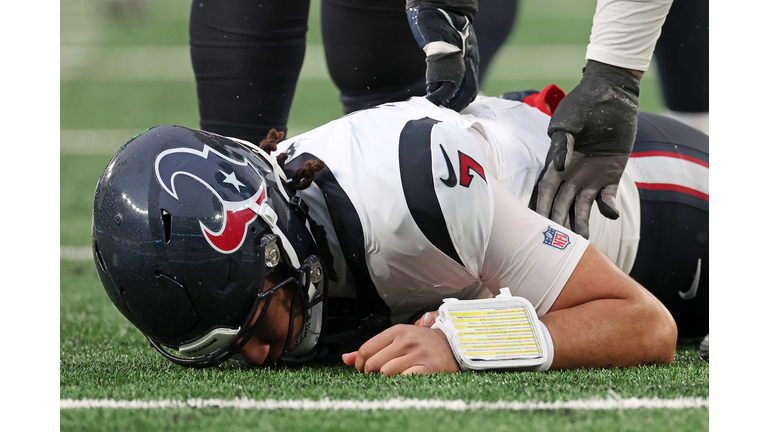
624,32
461,175
528,253
485,233
450,200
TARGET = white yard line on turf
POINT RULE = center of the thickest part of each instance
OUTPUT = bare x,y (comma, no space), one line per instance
172,63
106,142
75,253
390,404
94,141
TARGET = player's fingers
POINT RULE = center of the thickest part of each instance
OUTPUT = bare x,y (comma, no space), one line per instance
392,342
418,363
606,202
563,202
373,346
467,91
381,358
548,187
437,93
401,364
582,206
349,358
559,148
427,319
406,365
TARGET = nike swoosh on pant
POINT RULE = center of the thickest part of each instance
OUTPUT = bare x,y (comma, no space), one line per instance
691,293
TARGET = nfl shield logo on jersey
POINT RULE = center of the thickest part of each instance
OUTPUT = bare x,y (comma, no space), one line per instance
556,238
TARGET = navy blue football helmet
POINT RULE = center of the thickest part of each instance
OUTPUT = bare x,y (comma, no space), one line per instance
186,226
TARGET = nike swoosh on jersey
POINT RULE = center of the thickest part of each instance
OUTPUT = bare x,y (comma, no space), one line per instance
452,179
691,293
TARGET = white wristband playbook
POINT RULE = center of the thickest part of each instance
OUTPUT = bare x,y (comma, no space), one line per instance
503,332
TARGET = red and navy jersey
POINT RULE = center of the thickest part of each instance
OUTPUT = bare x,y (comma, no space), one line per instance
666,170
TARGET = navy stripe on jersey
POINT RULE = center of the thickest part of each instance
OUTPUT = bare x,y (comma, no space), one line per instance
665,137
686,153
415,153
349,230
654,128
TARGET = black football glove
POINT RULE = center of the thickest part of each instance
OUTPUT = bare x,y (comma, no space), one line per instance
452,79
592,132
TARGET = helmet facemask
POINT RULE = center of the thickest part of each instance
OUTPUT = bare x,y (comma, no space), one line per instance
221,344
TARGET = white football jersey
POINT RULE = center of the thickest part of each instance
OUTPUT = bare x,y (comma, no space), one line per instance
424,203
517,133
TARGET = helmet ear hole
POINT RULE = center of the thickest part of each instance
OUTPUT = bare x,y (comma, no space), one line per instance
166,226
99,258
163,308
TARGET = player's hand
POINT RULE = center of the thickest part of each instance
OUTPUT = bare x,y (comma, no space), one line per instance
427,320
592,132
569,188
449,41
404,349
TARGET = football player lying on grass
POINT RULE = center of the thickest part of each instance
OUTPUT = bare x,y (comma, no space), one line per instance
331,245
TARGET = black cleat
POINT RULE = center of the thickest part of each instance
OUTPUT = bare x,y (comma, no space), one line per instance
704,349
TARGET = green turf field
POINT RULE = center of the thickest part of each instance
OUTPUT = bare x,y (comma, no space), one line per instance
120,75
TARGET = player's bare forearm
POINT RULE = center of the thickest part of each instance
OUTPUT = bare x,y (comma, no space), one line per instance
603,318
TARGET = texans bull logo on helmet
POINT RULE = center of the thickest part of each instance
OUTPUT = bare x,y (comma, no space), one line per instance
231,181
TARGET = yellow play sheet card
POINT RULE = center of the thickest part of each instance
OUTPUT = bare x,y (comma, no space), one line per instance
495,333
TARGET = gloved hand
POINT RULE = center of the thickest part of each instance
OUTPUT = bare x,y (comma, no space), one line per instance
449,41
592,132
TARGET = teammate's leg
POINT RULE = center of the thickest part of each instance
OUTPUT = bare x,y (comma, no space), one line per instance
371,54
247,56
493,24
682,54
373,58
670,165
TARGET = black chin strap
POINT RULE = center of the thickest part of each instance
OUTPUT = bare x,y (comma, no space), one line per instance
301,297
292,318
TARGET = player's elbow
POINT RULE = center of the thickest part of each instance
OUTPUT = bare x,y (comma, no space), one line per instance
667,336
659,339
